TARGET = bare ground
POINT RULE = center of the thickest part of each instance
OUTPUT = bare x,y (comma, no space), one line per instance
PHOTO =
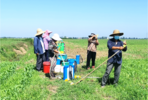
78,50
21,50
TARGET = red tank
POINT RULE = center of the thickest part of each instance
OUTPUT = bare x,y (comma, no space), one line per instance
46,67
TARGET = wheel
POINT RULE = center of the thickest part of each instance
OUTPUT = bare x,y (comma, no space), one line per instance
75,64
81,59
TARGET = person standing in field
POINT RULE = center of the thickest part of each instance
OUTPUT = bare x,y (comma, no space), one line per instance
39,49
53,53
114,45
46,40
91,50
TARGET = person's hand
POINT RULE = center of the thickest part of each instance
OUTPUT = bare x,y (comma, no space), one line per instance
121,48
95,36
37,53
56,51
124,43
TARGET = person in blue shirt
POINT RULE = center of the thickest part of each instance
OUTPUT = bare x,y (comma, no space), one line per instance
39,49
114,45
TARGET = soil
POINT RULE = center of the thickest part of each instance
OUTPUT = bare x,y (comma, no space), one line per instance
21,50
26,46
71,53
52,88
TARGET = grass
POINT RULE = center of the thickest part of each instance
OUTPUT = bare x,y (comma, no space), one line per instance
7,46
25,83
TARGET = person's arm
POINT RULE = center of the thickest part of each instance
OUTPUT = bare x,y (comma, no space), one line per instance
117,48
35,46
110,46
48,39
91,38
56,51
97,43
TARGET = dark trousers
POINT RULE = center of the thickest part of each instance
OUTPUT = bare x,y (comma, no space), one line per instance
40,60
47,55
91,55
108,70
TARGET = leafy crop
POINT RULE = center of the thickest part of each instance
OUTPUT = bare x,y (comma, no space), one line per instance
20,81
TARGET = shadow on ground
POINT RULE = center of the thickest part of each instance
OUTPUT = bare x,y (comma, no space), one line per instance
109,81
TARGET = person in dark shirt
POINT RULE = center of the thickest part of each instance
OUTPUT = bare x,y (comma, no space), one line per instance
114,45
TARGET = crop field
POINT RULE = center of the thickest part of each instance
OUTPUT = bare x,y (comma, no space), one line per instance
20,81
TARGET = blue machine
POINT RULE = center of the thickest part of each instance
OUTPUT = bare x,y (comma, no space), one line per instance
71,69
62,57
66,72
58,62
74,62
78,59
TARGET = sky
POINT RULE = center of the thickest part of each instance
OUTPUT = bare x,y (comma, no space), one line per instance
74,18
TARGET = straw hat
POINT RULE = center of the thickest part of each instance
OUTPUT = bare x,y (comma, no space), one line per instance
56,37
116,32
39,32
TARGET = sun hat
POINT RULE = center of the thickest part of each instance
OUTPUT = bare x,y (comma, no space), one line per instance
39,32
116,32
92,34
56,37
46,34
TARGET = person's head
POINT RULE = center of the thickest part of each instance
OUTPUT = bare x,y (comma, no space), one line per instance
47,33
40,35
116,34
39,32
92,34
56,37
54,40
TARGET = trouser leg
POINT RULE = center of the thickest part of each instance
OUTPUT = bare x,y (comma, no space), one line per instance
117,72
93,58
47,55
43,59
53,64
88,58
106,75
39,62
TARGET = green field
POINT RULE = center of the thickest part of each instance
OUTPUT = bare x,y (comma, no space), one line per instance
20,81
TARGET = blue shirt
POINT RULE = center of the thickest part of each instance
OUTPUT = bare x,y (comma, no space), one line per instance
38,47
118,57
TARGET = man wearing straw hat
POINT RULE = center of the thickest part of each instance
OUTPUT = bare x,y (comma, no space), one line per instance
114,45
39,49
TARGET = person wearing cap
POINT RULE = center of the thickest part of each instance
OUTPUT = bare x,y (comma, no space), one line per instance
114,45
46,40
53,53
91,50
39,49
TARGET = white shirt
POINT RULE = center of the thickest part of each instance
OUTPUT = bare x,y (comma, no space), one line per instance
42,45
